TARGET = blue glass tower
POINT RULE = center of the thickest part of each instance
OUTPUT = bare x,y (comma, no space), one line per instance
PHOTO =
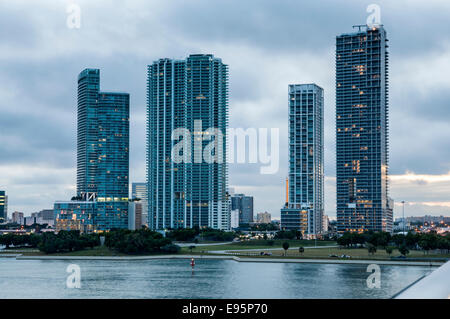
103,150
303,210
180,93
362,131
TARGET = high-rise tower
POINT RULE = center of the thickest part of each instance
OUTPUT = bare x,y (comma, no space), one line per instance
304,208
362,131
103,150
189,95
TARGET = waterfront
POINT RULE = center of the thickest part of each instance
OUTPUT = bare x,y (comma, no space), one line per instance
211,279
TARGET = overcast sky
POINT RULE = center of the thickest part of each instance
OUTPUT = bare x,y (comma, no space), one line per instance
267,44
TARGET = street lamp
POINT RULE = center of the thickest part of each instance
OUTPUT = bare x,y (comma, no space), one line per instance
404,221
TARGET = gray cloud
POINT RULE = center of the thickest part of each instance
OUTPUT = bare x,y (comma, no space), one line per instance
267,44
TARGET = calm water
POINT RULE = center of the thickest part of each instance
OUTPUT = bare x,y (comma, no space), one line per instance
211,279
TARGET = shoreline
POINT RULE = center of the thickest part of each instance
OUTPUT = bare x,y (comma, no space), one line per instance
234,258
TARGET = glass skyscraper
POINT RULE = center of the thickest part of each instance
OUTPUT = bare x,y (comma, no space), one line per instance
362,131
244,204
102,156
3,207
303,210
190,94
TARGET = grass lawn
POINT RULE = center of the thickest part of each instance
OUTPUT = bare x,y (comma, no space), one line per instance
354,253
257,244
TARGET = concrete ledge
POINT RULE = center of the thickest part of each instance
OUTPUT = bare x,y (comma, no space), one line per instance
237,259
434,286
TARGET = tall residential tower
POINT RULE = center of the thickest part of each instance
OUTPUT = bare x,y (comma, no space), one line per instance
189,96
303,210
102,159
362,131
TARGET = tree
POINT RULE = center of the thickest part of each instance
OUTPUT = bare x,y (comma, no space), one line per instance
403,250
191,248
285,247
398,239
428,242
443,244
301,250
285,234
372,249
389,250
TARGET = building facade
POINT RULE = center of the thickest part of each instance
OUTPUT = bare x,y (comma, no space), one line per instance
3,207
45,216
17,218
363,201
244,204
188,96
76,215
263,218
135,214
139,191
102,159
304,206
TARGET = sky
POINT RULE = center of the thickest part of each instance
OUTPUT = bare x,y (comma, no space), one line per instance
267,44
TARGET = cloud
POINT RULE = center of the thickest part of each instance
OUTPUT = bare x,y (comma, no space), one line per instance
267,44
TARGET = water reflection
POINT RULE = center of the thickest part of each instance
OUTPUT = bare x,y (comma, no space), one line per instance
210,279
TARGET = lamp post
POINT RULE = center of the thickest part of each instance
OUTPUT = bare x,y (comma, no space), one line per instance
404,221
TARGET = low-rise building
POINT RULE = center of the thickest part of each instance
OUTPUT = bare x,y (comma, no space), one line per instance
75,215
17,218
135,214
263,218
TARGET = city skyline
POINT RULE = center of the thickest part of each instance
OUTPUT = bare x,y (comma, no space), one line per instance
37,167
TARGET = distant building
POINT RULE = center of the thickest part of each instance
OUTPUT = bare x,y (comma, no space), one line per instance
427,219
17,218
135,214
76,215
325,223
244,204
139,190
263,218
303,209
3,207
45,216
234,218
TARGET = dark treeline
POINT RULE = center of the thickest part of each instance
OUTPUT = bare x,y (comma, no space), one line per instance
373,240
120,240
20,240
139,242
196,234
288,234
64,241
